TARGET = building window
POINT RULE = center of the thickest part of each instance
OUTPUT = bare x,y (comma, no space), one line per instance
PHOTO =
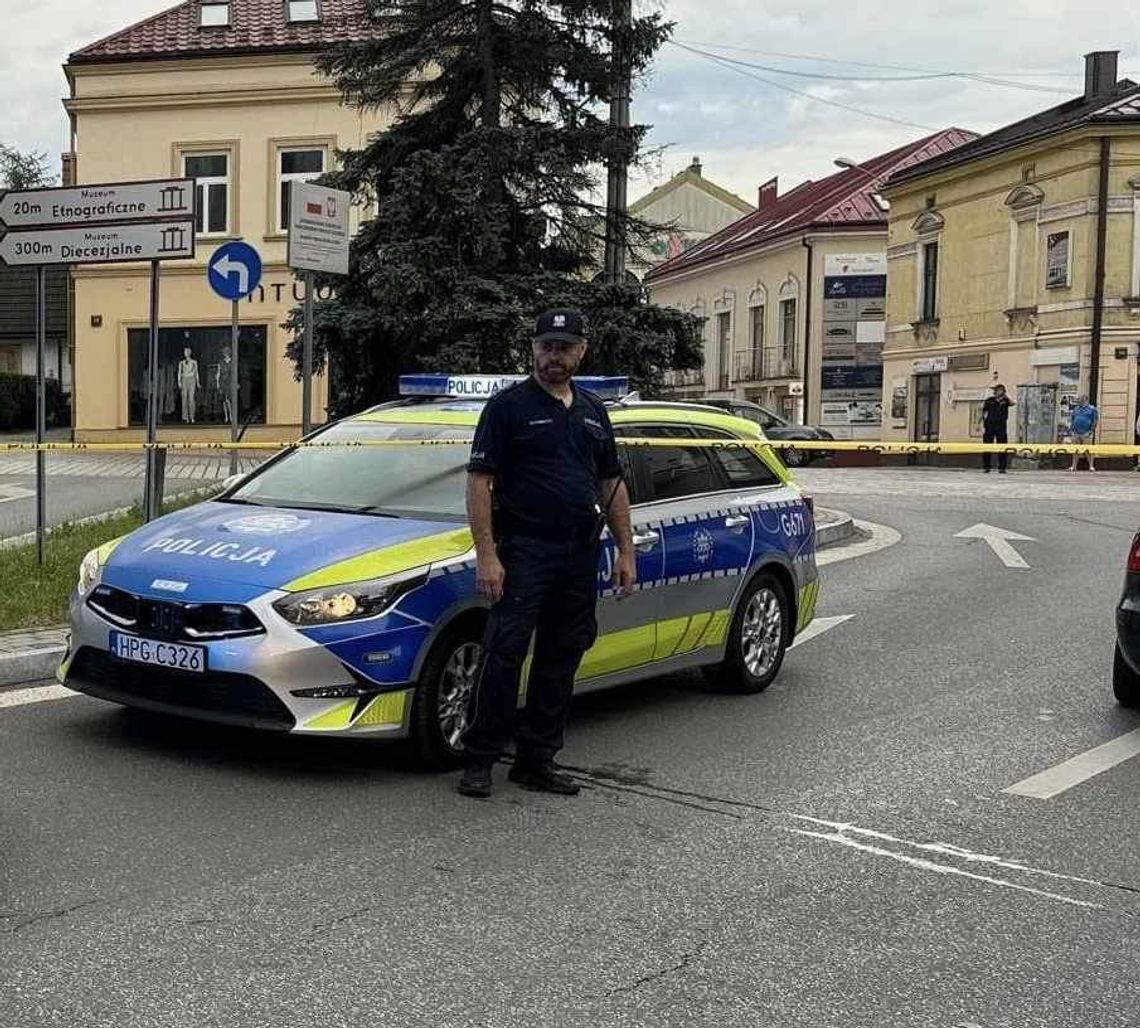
295,165
1057,260
195,370
723,349
788,329
757,328
929,281
214,14
211,173
303,10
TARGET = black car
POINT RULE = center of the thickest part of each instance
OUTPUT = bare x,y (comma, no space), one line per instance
777,428
1126,666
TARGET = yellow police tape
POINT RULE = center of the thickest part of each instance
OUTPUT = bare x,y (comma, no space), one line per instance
822,445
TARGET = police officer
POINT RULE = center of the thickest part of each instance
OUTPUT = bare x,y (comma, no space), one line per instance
543,480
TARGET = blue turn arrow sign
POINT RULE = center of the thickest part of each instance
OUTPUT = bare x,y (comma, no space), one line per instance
234,271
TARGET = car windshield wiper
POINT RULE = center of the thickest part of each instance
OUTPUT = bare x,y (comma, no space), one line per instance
244,503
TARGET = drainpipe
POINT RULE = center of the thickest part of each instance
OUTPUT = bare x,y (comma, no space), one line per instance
1098,279
807,331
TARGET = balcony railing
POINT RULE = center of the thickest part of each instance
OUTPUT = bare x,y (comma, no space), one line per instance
760,365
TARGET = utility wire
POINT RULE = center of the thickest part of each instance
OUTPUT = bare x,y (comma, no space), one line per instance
920,75
725,63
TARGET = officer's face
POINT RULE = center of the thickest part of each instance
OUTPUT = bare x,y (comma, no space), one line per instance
556,362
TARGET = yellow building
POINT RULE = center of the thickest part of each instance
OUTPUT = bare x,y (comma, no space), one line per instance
225,93
993,259
794,297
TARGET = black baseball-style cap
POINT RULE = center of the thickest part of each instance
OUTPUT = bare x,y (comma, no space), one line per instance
561,326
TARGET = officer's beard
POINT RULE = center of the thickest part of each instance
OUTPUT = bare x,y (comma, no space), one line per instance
555,370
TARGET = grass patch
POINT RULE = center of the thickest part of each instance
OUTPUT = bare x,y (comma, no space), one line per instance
36,596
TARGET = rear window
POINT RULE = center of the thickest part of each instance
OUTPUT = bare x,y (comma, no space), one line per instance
407,481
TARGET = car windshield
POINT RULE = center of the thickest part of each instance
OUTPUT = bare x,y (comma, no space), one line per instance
400,481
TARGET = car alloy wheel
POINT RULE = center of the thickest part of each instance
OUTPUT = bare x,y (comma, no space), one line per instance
457,681
761,632
793,458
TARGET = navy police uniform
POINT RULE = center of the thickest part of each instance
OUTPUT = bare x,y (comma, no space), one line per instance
548,461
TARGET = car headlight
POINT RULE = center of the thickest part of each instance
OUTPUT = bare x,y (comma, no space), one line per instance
339,603
89,572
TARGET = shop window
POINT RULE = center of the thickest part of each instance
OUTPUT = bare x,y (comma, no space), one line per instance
194,368
211,173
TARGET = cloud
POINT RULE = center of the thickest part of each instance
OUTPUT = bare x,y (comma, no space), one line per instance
744,130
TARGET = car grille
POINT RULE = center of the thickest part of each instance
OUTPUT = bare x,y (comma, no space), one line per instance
216,696
163,619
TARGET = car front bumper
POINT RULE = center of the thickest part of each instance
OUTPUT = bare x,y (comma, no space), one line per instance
249,681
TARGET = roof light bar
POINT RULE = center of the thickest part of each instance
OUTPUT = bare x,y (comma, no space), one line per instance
483,387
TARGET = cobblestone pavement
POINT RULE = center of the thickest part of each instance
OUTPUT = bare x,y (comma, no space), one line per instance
206,467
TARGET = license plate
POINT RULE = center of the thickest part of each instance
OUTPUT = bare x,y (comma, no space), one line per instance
176,656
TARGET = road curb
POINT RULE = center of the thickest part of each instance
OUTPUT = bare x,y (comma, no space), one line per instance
837,527
32,665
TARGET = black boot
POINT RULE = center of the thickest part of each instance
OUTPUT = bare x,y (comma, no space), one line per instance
476,781
543,778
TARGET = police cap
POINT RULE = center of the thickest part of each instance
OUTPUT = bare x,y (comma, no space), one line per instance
560,326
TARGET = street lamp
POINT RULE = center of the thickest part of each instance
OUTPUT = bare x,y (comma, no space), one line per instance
849,164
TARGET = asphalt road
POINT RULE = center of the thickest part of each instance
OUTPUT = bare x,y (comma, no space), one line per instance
839,851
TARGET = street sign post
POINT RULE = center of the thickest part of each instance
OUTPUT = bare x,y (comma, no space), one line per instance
234,271
318,242
97,224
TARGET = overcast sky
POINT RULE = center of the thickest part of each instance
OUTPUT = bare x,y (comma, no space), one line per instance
744,130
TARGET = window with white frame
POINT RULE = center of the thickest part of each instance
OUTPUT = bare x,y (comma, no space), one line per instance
303,10
214,14
211,174
295,164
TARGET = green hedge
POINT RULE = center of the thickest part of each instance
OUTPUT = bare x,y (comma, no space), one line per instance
18,403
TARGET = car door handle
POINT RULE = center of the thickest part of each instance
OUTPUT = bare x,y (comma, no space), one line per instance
646,540
737,522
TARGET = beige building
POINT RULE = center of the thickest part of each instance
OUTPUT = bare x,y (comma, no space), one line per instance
993,259
794,297
224,93
689,208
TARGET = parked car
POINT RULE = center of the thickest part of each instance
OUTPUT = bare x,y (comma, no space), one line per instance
777,428
1126,665
332,590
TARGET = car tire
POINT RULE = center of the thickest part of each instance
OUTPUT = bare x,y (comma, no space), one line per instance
1125,682
757,640
794,458
440,706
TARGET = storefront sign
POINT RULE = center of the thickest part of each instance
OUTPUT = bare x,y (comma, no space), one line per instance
855,264
930,365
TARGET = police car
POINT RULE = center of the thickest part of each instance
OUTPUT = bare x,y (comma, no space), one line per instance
332,590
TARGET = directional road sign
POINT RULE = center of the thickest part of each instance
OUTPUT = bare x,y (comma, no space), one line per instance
98,204
105,244
234,271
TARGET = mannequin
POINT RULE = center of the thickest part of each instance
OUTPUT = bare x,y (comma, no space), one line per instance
189,383
223,380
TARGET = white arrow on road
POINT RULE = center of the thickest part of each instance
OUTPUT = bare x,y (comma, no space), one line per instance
998,540
225,267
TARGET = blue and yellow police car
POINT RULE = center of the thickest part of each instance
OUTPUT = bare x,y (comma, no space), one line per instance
332,590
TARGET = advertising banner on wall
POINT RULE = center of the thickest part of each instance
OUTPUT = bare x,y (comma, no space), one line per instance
854,327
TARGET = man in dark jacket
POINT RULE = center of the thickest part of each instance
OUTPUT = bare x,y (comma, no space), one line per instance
995,422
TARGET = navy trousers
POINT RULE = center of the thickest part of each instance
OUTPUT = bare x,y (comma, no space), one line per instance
997,434
550,592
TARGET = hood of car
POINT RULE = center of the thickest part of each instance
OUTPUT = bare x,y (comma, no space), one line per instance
230,552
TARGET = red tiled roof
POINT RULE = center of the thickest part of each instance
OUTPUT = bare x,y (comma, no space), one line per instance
840,202
256,26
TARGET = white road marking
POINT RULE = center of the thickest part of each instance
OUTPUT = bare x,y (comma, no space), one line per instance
8,493
1055,780
882,536
37,694
998,541
840,839
818,627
